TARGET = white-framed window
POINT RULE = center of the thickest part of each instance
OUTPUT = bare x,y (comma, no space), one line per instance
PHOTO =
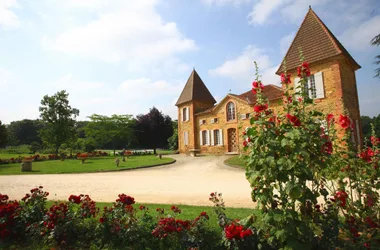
204,137
213,120
244,116
230,111
185,114
314,86
201,122
186,138
216,134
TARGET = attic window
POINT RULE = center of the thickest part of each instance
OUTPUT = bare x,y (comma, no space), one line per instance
214,120
201,122
230,111
244,116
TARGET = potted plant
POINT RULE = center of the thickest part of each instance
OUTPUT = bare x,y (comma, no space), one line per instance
82,157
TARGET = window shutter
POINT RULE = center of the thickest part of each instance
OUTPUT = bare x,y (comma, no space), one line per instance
320,90
187,113
296,84
212,138
186,138
212,120
221,137
208,137
200,138
200,122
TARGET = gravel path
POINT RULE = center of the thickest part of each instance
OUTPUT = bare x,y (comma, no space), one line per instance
188,181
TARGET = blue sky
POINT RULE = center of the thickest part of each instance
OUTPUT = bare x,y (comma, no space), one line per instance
125,56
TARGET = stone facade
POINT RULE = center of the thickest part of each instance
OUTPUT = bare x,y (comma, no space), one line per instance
334,91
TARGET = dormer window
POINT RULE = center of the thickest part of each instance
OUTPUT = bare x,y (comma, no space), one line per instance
230,111
185,114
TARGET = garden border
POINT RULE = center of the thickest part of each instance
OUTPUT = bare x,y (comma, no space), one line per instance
232,166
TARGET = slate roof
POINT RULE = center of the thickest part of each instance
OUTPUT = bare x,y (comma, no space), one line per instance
317,43
195,90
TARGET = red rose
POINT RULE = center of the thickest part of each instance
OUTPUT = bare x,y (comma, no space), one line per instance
342,197
101,220
259,108
285,79
344,121
245,143
327,147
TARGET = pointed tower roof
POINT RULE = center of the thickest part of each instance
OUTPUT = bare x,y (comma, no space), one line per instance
317,43
195,90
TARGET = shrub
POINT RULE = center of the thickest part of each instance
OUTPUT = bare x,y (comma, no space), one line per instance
302,173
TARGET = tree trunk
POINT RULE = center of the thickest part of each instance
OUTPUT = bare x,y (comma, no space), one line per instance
114,151
154,151
56,150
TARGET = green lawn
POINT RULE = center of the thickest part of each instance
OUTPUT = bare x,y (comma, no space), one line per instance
235,161
94,164
188,212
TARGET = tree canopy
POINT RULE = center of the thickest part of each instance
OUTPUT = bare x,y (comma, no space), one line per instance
59,120
25,131
154,129
3,135
376,42
116,130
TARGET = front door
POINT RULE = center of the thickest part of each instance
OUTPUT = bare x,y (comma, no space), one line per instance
232,141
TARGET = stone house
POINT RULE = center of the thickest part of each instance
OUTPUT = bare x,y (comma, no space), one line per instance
210,128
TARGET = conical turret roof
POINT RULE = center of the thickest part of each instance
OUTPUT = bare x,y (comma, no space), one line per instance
316,42
195,90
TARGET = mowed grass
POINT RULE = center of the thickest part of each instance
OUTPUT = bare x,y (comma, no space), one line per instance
94,164
187,212
236,161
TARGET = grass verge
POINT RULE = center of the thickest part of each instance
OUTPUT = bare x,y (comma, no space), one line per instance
96,164
235,161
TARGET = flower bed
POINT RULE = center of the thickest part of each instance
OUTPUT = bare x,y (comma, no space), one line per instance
51,157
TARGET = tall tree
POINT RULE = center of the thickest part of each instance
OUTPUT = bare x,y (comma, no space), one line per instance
376,42
59,119
116,130
25,131
154,129
173,140
3,135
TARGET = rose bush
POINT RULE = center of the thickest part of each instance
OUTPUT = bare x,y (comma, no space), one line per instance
304,177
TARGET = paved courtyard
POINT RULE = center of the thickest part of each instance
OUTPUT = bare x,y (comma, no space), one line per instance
188,181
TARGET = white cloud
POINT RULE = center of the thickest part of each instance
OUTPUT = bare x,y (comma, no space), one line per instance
8,19
131,32
358,37
225,2
262,9
285,43
69,83
242,68
145,88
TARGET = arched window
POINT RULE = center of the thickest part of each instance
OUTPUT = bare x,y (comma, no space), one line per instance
230,111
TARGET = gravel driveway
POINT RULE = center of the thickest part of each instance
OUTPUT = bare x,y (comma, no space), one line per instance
188,181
